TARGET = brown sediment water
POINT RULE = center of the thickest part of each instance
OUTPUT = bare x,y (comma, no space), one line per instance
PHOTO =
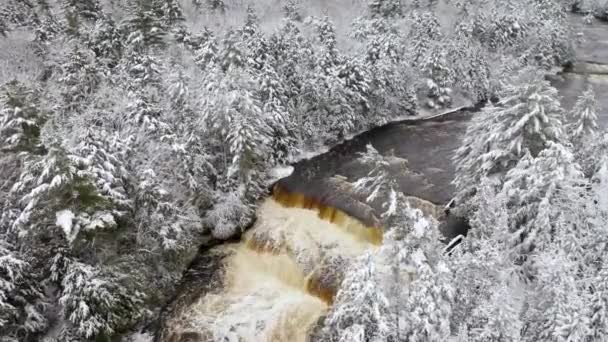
275,278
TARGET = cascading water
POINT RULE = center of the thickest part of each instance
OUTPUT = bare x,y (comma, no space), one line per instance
283,275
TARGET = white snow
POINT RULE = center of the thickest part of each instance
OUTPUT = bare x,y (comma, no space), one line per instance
279,172
65,220
140,337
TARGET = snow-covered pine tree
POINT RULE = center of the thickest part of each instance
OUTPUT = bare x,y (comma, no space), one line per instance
273,96
145,111
106,41
87,9
585,126
385,8
105,155
79,79
361,310
425,31
252,22
234,113
57,193
206,53
162,224
598,317
378,183
427,306
145,29
170,12
22,301
556,309
440,75
526,121
21,119
232,54
292,10
546,200
471,67
95,303
329,55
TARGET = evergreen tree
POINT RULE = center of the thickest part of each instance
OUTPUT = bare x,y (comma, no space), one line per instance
232,54
58,191
206,53
378,182
425,31
233,111
79,80
22,301
361,309
546,195
171,12
585,115
145,28
95,304
427,307
598,320
106,41
252,22
21,119
87,9
557,311
526,122
292,10
274,98
326,32
385,8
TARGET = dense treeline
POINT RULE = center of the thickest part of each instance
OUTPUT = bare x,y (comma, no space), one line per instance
132,131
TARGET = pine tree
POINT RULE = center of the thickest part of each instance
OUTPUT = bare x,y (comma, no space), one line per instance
545,198
79,80
274,98
526,122
385,8
598,319
21,119
585,115
326,32
162,223
557,311
292,10
252,22
427,308
87,9
425,31
145,111
233,111
58,194
360,309
232,54
216,5
145,27
22,301
95,304
171,12
106,41
206,53
145,73
378,183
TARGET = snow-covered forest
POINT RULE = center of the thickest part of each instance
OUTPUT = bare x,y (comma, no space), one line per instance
134,131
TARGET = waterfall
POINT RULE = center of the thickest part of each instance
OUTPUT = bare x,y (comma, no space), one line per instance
283,275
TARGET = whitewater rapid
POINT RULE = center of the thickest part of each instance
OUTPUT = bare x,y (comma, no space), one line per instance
283,275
